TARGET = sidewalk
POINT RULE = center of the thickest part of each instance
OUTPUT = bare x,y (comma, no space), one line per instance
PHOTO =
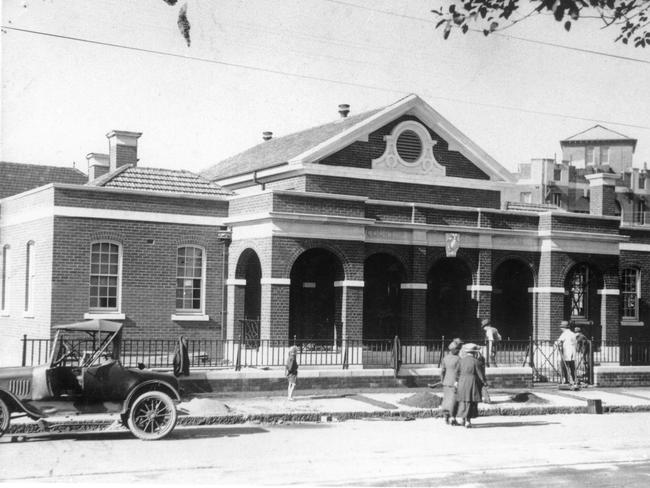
332,406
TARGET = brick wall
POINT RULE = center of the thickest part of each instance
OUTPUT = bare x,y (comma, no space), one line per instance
148,274
404,192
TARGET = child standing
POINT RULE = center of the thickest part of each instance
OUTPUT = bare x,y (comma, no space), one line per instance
291,370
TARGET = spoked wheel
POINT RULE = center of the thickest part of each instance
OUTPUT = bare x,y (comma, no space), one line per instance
5,417
152,416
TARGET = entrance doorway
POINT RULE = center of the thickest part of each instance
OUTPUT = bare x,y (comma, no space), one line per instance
512,308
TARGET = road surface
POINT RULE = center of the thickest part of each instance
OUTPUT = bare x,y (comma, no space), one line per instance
552,450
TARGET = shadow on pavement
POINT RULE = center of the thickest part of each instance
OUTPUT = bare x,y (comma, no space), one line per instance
537,423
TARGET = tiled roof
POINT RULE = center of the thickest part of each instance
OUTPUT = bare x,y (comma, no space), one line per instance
18,177
281,149
157,179
598,133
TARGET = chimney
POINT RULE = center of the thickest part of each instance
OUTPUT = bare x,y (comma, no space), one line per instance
602,193
344,110
122,148
267,135
97,165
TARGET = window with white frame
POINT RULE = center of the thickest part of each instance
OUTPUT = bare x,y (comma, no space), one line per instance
30,267
604,155
639,212
589,155
526,197
190,271
630,293
105,277
556,199
5,277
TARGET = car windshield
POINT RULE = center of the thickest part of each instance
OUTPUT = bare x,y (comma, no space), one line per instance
74,350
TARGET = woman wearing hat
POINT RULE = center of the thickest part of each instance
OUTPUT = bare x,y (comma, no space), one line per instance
471,378
449,375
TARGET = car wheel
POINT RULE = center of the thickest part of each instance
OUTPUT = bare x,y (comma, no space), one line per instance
152,416
5,417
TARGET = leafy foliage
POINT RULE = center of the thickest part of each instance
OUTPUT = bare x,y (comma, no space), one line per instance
183,22
631,17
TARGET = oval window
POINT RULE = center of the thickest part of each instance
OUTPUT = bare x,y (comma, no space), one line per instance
409,146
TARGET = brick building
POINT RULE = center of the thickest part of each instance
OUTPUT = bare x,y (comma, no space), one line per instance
389,222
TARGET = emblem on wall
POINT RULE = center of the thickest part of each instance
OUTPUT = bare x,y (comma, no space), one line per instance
452,243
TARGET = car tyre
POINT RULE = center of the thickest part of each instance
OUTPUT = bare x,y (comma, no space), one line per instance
152,416
5,417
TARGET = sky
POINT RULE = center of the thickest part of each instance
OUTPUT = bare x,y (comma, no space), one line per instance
286,65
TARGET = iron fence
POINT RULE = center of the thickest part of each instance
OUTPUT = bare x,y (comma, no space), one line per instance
542,356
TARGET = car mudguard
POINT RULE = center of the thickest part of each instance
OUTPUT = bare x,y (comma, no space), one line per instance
17,405
148,385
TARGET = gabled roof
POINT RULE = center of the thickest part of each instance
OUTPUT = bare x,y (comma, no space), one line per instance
281,149
313,144
157,179
16,178
598,133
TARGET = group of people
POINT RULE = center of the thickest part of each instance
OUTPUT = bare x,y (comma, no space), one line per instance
572,346
463,382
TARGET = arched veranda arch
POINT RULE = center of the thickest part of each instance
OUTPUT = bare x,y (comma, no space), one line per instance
314,300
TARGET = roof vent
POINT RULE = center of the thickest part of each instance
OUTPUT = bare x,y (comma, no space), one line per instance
267,135
344,110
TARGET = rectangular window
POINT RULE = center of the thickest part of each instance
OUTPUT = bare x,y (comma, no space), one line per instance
638,213
630,291
557,199
189,279
104,276
589,156
604,155
29,277
525,197
642,181
5,277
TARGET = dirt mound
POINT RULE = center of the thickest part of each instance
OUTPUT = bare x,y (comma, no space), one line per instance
423,399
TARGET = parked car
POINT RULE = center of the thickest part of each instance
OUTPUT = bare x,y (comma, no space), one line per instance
83,374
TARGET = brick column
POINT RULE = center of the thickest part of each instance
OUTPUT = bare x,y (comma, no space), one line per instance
482,289
235,307
609,308
548,299
274,319
414,297
351,308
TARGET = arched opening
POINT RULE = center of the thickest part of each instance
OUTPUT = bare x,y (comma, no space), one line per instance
383,275
512,306
314,301
582,301
248,302
450,310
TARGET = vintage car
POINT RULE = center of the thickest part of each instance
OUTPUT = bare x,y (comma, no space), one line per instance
83,374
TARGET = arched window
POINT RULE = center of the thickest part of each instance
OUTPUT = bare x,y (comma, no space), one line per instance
190,282
630,293
30,271
105,276
5,277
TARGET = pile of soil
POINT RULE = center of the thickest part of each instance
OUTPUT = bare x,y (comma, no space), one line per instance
423,399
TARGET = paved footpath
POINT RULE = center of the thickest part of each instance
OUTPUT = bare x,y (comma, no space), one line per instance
339,405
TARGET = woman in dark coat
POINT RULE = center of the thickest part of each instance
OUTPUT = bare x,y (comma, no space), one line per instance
449,377
471,379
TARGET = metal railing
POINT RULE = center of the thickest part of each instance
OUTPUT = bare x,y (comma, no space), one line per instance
542,355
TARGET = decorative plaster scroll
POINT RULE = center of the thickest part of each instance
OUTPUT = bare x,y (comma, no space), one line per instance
425,164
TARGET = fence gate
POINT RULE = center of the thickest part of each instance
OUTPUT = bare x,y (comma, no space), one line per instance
548,366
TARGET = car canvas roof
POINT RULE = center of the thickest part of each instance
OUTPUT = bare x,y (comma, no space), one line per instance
94,325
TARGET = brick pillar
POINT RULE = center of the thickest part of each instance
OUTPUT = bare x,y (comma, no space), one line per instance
414,298
351,308
274,319
482,289
548,299
602,193
609,307
235,307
